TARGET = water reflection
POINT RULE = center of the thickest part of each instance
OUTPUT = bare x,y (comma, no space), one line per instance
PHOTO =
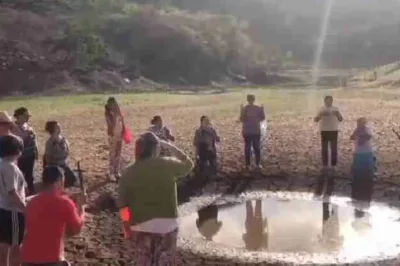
207,222
256,236
331,237
301,226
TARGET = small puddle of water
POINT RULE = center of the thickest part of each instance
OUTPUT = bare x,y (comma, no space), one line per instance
298,226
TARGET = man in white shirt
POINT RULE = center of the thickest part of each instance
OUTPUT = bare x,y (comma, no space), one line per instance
328,118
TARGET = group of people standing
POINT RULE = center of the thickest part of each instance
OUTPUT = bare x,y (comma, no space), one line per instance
27,234
364,162
147,187
204,141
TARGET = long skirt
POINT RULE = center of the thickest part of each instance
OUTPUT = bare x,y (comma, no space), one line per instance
363,169
155,249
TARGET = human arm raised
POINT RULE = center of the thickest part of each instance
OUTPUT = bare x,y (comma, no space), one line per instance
179,164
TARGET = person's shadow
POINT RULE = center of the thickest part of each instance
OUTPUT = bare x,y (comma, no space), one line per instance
331,238
256,236
207,222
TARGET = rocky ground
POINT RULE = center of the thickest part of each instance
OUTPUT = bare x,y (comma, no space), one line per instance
102,241
291,156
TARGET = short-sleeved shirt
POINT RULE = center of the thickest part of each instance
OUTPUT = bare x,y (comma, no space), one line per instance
251,117
48,216
28,136
329,122
11,179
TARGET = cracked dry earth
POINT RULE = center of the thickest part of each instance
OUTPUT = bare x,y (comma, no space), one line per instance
291,157
102,242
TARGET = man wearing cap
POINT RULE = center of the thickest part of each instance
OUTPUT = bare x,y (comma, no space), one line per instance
6,125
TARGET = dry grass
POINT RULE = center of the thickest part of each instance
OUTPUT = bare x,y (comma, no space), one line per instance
293,147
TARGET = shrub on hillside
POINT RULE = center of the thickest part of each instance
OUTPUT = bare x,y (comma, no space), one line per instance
172,45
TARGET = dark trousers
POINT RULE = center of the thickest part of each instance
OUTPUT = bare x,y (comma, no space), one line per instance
69,176
207,157
252,141
26,165
325,185
329,139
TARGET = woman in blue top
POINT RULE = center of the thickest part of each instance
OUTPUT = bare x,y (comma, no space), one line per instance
363,166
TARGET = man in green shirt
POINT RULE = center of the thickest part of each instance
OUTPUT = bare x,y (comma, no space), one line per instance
148,189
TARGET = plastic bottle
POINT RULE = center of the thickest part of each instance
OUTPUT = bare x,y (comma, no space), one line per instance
263,127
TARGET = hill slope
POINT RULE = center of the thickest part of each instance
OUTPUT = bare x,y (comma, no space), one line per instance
105,44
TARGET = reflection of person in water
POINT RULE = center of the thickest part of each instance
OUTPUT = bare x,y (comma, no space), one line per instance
361,221
255,237
331,237
208,223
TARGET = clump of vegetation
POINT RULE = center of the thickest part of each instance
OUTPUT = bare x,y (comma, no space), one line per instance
166,45
158,42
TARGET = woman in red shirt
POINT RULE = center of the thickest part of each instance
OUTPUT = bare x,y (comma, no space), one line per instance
49,217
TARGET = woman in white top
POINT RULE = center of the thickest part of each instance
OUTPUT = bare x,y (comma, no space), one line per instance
328,118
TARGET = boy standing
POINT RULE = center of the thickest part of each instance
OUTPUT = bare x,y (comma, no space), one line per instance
50,216
12,201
